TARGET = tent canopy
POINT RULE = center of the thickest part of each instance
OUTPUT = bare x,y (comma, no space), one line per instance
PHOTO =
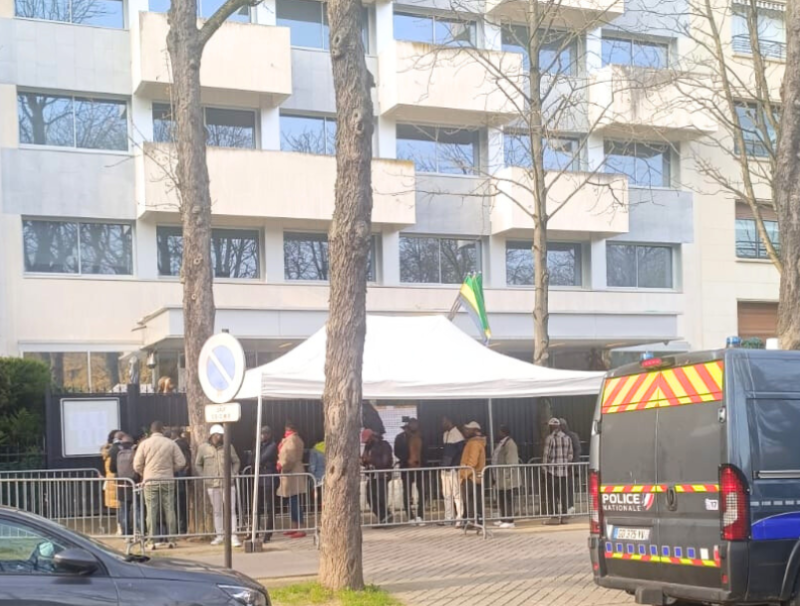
417,358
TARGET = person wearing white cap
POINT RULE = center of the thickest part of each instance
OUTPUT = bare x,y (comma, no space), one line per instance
557,456
210,463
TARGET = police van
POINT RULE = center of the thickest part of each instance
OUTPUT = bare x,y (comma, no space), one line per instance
695,479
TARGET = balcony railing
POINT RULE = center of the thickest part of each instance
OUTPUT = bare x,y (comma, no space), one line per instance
772,49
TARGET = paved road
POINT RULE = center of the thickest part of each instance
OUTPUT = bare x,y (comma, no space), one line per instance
530,565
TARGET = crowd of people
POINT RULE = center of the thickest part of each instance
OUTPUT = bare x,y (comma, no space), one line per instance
164,455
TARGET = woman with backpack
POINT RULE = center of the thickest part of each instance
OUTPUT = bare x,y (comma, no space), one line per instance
121,464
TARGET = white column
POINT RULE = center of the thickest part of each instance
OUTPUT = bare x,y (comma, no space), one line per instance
270,127
146,251
387,138
264,13
594,50
273,254
495,147
495,265
492,36
390,259
595,153
384,25
597,277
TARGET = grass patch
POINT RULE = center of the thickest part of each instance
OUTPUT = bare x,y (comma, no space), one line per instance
303,594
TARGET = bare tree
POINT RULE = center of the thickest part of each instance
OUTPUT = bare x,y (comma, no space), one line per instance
186,41
349,245
787,195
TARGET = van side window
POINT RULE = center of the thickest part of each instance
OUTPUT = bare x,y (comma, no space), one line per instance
775,445
774,374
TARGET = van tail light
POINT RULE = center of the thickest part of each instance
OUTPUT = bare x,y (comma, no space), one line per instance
734,504
596,522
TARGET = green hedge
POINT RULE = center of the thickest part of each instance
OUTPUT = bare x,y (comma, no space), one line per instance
23,385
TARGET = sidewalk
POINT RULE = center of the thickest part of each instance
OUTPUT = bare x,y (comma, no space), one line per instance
531,565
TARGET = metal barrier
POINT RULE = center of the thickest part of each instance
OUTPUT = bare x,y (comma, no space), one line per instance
538,491
420,496
192,507
31,474
82,504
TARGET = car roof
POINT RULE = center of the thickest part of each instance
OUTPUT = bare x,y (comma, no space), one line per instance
698,357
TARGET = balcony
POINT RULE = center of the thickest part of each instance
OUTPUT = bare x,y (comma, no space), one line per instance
658,104
599,206
425,83
239,57
285,185
568,14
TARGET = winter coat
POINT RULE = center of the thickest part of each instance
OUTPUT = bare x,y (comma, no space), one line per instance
158,458
109,487
506,453
290,461
453,441
210,463
474,456
409,450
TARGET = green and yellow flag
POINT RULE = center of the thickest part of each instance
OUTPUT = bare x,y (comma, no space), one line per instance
470,297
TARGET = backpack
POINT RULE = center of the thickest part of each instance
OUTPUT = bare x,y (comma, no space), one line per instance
125,464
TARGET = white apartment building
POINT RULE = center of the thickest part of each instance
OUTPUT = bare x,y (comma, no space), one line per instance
90,239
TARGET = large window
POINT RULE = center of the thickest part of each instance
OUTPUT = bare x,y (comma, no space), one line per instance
759,135
559,153
305,257
558,51
66,121
428,260
645,164
437,149
224,127
99,13
638,266
63,247
307,21
234,252
563,264
205,8
88,372
749,244
635,53
771,33
443,31
308,134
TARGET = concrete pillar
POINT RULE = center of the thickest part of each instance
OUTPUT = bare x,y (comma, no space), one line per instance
273,254
384,25
495,264
146,251
495,148
270,127
594,50
492,35
597,277
595,154
390,259
387,138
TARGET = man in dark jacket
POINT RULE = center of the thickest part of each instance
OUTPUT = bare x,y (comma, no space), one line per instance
121,466
181,438
377,459
268,474
409,450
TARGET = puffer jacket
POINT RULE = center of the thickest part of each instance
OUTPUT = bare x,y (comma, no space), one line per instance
109,487
474,456
158,458
210,463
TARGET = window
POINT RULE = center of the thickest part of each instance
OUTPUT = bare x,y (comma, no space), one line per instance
559,153
224,127
645,164
635,53
24,550
205,8
234,252
563,264
308,135
65,121
771,34
428,260
84,372
558,51
62,247
774,443
436,149
639,266
307,21
443,31
759,136
749,244
305,257
100,13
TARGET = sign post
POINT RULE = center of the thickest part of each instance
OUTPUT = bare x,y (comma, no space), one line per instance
221,372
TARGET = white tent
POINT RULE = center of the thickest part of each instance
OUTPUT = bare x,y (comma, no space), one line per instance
417,358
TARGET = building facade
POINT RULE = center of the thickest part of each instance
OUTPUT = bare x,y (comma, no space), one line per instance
90,238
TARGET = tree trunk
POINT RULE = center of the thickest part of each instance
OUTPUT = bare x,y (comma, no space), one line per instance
787,193
185,52
541,277
349,243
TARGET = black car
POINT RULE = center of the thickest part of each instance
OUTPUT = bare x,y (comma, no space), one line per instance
44,564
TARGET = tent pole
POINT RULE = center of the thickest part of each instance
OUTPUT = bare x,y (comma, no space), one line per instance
491,429
256,470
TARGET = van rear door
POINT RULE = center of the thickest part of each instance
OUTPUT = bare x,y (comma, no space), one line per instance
690,447
628,479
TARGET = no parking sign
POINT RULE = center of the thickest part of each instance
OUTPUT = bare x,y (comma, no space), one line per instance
221,368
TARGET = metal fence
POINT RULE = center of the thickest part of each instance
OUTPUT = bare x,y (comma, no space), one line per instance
166,510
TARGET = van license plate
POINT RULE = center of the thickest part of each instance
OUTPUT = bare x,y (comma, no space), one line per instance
632,534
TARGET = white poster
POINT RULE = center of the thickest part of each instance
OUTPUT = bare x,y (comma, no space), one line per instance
85,425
